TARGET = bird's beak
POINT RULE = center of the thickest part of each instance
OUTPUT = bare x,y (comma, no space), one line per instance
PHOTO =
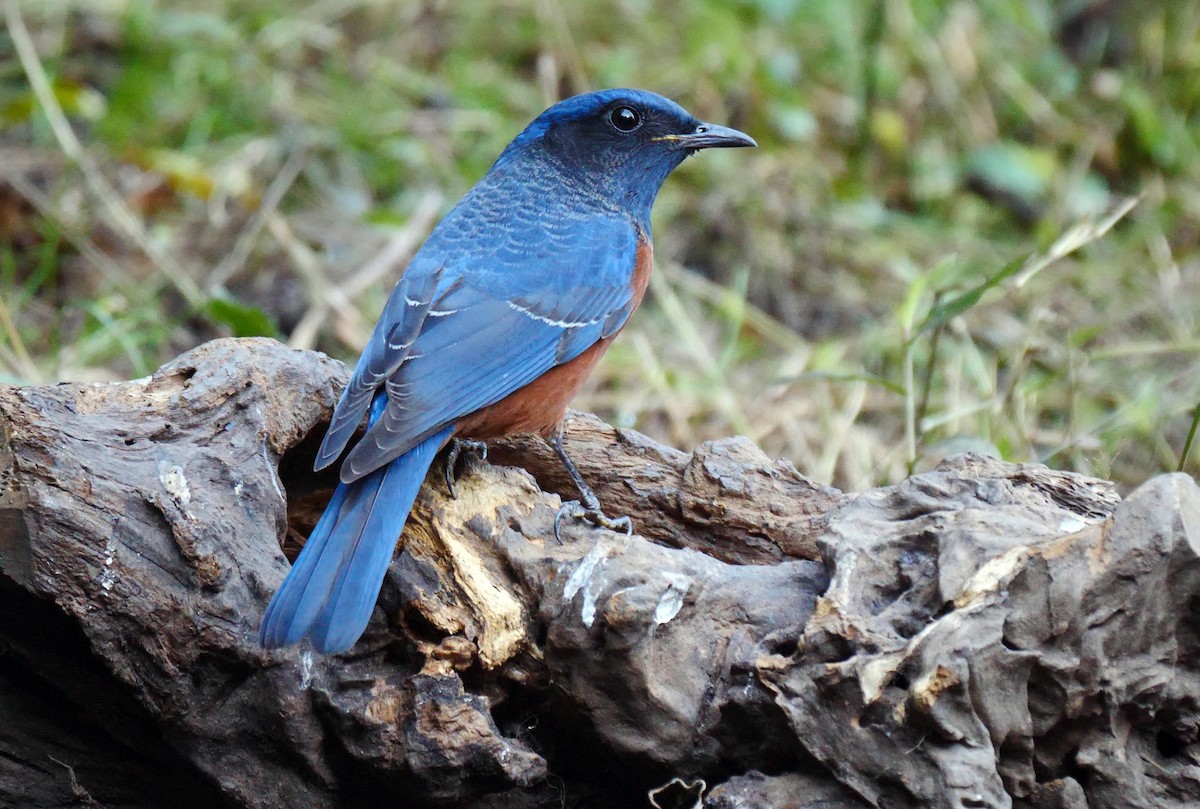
707,136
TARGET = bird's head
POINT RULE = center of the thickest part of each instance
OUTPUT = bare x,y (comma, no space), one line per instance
621,144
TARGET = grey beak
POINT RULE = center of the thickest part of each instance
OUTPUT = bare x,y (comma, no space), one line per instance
707,136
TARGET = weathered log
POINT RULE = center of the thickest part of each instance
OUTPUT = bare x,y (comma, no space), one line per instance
983,635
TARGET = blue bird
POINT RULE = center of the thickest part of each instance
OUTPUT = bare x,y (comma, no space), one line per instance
492,329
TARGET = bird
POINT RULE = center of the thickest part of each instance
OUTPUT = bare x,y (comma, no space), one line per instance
495,324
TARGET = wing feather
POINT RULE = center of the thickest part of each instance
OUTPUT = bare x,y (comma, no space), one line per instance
506,320
389,346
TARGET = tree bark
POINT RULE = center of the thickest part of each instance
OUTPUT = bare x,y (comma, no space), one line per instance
982,635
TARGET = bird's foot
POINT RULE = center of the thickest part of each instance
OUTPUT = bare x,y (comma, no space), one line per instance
457,447
590,513
587,507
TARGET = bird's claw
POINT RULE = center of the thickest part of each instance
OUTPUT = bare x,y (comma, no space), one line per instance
578,511
457,447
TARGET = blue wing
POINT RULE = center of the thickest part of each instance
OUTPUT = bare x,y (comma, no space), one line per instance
388,347
504,310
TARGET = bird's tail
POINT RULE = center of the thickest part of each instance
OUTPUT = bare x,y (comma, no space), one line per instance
330,593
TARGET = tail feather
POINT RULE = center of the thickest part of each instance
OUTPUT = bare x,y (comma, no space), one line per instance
330,593
295,604
353,594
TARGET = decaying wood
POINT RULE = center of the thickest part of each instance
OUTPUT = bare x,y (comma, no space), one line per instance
982,635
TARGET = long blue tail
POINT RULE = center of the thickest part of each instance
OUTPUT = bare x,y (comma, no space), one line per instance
330,593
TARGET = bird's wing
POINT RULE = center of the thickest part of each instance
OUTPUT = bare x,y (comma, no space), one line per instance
498,324
389,346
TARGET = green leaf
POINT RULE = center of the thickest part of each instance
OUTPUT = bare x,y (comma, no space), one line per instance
1149,125
75,99
1013,171
246,321
949,308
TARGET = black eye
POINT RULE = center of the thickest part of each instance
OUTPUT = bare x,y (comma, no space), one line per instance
626,119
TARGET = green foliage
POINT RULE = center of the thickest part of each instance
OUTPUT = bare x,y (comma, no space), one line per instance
930,250
243,321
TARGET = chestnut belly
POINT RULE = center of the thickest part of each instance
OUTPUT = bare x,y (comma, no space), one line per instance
536,408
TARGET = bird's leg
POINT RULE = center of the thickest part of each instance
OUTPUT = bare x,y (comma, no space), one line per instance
587,507
457,447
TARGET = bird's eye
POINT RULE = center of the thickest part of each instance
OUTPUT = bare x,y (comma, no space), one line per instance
625,119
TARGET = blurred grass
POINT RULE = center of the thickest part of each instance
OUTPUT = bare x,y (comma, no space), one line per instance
885,280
